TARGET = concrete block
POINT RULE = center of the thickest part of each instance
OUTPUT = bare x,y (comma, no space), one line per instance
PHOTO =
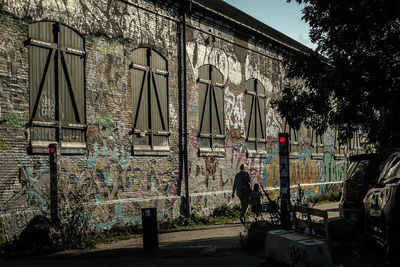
297,249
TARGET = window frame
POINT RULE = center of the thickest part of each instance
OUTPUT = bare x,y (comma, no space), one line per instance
293,138
259,142
211,102
59,82
149,83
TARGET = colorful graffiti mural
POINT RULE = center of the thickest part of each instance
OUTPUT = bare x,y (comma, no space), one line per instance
115,185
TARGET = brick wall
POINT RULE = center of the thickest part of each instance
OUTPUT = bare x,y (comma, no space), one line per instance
116,184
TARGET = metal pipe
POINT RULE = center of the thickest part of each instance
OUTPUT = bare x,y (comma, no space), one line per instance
187,6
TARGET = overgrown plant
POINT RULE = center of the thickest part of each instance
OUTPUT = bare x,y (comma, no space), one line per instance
324,198
226,211
74,230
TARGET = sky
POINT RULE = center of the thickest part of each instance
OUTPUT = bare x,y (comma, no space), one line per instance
278,14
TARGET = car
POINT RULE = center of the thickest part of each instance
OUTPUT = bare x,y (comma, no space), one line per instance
361,175
382,211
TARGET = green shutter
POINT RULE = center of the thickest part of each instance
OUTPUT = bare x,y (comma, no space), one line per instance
139,76
255,114
56,77
294,141
294,136
211,107
340,148
150,98
250,114
71,75
42,81
355,143
316,142
261,112
159,99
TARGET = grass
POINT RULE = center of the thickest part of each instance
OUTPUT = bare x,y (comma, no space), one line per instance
333,197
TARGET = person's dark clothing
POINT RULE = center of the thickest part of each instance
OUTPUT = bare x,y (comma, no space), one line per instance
241,186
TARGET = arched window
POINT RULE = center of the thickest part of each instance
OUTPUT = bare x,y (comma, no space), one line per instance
57,86
149,78
340,147
255,115
317,143
293,136
211,109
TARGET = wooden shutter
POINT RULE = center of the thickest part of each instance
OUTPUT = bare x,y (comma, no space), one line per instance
317,142
56,76
71,76
211,107
293,136
255,114
43,102
150,98
340,148
355,143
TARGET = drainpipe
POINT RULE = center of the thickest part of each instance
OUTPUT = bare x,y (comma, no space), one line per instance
185,6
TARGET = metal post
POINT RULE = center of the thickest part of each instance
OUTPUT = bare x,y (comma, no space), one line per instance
150,230
53,161
284,179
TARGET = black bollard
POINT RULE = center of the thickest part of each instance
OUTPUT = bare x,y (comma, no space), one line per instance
150,230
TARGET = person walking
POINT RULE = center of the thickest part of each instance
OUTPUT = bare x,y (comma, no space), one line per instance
242,187
255,201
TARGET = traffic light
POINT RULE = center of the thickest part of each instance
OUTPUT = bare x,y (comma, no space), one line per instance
52,153
283,143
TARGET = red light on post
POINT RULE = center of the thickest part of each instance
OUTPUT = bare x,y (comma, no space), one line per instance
52,150
283,143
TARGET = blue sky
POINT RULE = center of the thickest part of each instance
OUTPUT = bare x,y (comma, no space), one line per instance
278,14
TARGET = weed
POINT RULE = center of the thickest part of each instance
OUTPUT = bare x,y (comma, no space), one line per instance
333,197
74,231
226,211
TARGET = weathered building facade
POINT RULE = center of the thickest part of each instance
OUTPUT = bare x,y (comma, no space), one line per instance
149,104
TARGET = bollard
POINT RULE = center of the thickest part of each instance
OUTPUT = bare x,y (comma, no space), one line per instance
150,230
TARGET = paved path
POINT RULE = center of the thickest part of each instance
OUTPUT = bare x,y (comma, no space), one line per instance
209,246
205,247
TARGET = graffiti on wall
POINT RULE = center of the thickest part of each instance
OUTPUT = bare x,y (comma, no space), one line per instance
113,184
273,120
263,73
227,63
234,114
119,185
35,177
16,118
3,144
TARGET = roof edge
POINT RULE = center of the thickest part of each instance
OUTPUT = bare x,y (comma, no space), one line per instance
299,47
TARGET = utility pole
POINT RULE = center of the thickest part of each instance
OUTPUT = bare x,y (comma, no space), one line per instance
284,179
53,184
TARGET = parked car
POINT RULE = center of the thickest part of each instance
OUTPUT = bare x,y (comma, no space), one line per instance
382,211
362,174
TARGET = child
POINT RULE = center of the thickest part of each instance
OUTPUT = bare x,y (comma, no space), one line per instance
255,200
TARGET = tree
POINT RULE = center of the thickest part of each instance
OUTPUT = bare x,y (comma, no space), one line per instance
352,81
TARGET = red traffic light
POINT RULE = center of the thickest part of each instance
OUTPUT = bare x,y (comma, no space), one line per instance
51,149
282,139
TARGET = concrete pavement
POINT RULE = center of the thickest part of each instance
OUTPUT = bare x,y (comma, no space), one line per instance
208,246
